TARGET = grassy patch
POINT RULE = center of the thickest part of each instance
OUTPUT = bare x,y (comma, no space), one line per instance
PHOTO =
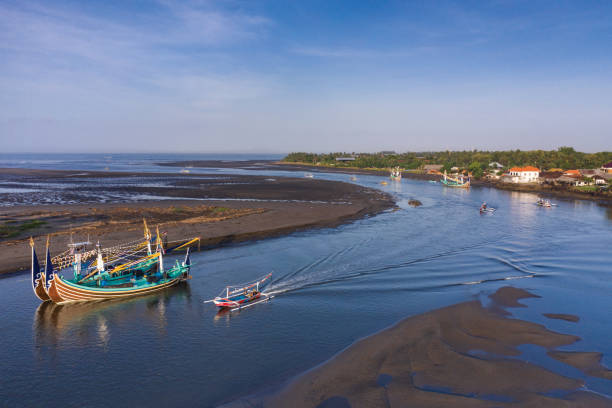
12,231
587,189
218,210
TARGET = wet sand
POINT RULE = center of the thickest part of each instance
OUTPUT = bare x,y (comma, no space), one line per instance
464,355
219,209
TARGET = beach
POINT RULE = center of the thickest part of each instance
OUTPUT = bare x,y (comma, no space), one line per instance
219,210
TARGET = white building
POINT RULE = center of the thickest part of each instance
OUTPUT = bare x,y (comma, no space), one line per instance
526,174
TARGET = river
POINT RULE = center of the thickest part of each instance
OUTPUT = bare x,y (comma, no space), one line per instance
331,287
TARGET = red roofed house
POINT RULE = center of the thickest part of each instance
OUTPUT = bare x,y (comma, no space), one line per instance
527,174
572,173
607,167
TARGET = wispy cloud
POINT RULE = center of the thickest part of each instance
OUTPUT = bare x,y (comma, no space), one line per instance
168,57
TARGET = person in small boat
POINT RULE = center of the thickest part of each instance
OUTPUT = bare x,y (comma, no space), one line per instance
483,207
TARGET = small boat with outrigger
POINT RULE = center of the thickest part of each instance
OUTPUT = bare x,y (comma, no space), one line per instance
484,209
241,296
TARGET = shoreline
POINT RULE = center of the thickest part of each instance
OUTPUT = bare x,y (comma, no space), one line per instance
447,357
278,165
242,208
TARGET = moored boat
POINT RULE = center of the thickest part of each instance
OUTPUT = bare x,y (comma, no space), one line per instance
141,278
396,173
460,181
109,274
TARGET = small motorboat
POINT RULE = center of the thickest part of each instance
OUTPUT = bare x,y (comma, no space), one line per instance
384,183
308,175
242,296
485,209
353,178
544,203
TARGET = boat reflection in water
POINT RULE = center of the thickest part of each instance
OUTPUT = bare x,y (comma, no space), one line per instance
88,323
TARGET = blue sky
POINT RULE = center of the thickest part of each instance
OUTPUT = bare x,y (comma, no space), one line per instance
279,76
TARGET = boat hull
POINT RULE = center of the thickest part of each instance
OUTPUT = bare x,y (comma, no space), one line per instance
40,291
62,291
231,303
456,185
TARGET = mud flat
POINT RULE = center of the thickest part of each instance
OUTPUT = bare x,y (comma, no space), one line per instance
221,209
463,355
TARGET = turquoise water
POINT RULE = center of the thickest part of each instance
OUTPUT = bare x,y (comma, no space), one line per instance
332,287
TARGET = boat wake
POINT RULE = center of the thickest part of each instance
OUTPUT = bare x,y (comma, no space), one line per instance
345,265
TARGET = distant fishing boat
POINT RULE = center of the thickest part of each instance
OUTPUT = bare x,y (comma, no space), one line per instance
460,182
433,181
384,183
486,209
353,178
241,296
185,171
396,174
544,203
308,175
112,274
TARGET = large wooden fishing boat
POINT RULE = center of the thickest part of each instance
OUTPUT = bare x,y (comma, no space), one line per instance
111,274
63,290
396,174
460,181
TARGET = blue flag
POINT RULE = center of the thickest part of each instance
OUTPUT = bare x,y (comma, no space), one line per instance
35,266
48,269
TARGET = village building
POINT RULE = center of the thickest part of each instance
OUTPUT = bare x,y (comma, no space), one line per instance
496,165
599,180
345,159
550,177
607,167
432,168
527,174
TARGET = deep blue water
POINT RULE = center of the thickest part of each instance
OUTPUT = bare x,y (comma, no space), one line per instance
332,286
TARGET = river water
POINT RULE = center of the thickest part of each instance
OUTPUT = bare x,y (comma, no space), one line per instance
331,286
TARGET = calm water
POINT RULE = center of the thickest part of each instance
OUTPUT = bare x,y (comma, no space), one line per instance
332,287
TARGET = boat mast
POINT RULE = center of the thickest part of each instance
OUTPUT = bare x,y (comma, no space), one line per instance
100,265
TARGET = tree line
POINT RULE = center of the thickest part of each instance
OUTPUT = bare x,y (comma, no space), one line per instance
477,161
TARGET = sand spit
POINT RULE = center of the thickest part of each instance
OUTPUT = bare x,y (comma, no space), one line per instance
588,362
561,316
458,356
220,209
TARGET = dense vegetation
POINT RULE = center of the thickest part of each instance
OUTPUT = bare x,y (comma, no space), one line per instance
474,160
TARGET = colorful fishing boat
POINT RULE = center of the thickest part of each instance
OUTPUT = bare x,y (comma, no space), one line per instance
64,290
460,181
396,173
129,273
241,296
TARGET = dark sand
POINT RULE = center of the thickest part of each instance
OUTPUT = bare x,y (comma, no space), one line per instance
561,316
277,206
458,356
